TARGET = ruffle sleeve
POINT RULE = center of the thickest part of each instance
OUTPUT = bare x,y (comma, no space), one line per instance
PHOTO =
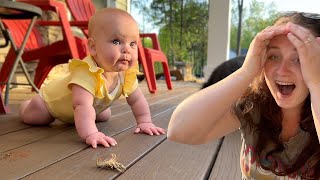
87,76
130,81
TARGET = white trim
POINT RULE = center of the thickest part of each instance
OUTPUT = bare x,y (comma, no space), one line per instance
111,3
218,34
128,6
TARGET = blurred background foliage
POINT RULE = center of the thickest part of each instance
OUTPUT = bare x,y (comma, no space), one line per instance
183,27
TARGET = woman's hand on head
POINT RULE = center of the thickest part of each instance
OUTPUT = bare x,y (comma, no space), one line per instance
308,47
99,138
257,53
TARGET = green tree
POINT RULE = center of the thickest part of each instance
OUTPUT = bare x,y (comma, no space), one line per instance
141,5
183,30
255,18
183,27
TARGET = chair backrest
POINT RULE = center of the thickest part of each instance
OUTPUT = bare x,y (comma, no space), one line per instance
81,10
154,40
18,29
141,53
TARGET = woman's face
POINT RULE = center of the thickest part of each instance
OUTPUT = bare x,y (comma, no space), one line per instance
283,74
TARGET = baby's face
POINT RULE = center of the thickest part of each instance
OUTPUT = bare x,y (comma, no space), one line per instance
116,44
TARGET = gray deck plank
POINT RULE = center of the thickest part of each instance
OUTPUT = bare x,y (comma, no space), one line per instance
11,123
171,160
30,158
29,134
151,98
18,139
130,148
227,165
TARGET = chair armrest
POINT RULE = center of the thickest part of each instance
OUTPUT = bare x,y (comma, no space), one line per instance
43,4
56,7
154,39
80,24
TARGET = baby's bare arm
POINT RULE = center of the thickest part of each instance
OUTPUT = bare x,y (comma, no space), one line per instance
141,112
84,113
84,117
139,106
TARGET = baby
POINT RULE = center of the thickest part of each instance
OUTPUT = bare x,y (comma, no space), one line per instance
85,95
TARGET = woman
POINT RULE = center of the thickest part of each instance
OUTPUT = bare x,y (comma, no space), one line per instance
269,98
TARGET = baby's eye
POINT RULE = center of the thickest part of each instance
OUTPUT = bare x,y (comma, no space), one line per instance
115,42
133,44
296,61
274,58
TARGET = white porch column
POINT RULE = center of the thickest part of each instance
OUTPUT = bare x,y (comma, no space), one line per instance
218,34
128,6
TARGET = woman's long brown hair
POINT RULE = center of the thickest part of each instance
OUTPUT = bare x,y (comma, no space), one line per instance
258,96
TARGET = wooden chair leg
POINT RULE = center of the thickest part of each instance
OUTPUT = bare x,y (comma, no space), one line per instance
6,67
42,71
82,47
44,67
3,109
152,76
166,73
148,76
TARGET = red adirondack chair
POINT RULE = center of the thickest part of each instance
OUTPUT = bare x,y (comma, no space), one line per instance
48,55
3,107
153,55
82,10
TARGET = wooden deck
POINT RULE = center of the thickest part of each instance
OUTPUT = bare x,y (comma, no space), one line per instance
56,152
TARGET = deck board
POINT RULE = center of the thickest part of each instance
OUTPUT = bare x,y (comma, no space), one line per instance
227,165
159,110
44,148
32,134
129,149
56,151
28,136
174,161
11,123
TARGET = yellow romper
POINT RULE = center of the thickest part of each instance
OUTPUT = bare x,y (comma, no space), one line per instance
85,73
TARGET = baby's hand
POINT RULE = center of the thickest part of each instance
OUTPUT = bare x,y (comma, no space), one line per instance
99,138
149,128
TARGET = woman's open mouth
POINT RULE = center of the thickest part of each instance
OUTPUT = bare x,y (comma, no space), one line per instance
285,88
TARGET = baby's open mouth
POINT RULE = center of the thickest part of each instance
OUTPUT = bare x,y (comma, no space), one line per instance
285,88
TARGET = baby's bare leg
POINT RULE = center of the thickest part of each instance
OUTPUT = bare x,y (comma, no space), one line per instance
104,115
35,112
